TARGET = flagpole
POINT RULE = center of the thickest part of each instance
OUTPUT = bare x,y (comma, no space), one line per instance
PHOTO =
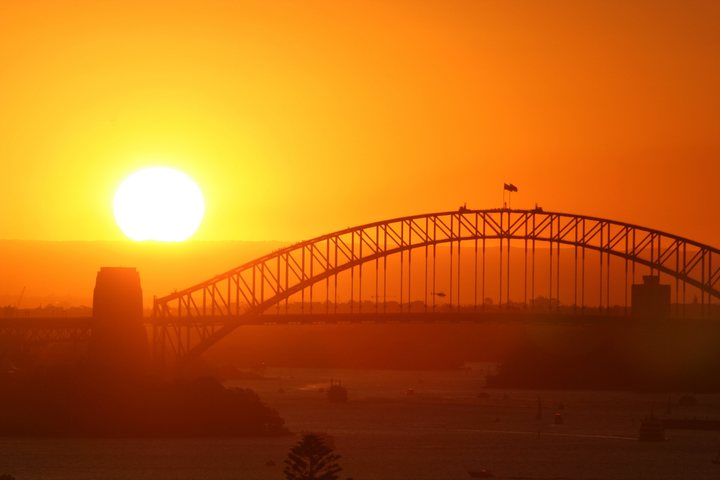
510,189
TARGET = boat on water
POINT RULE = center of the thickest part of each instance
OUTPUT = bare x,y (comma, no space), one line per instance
336,393
652,429
482,473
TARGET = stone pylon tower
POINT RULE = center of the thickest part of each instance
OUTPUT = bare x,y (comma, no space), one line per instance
119,344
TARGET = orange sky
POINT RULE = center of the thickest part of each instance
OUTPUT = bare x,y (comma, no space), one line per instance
298,118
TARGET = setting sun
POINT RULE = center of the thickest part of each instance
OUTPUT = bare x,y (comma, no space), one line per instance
160,204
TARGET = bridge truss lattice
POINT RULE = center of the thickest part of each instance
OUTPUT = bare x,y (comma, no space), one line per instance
189,321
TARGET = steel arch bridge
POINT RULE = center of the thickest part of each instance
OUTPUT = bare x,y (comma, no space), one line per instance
188,322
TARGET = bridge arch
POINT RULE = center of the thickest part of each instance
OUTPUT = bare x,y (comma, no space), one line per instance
191,320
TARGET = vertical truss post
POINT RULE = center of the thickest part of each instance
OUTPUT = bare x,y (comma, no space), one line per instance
557,279
377,268
434,258
677,280
410,250
335,279
278,286
352,271
237,293
582,282
627,287
684,285
427,234
402,264
550,280
702,285
287,279
708,284
361,232
652,254
632,267
484,236
525,265
475,265
229,296
302,274
507,278
312,275
575,270
634,247
532,276
459,250
500,270
262,284
204,301
385,270
600,289
607,279
452,230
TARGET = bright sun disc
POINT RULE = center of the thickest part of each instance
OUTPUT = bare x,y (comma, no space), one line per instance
160,204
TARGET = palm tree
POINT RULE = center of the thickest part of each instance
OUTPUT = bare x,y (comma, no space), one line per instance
312,459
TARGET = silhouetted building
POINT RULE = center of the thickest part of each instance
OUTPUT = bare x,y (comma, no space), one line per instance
119,343
651,299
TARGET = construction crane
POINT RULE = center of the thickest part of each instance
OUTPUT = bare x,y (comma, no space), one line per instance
20,298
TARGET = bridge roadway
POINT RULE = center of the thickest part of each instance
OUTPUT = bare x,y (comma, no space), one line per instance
47,330
396,317
30,331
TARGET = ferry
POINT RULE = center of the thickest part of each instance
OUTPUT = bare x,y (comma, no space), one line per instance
652,429
482,473
336,393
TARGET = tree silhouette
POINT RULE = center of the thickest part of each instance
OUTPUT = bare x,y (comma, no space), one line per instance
312,459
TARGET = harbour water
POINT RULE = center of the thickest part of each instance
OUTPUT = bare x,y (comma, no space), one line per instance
435,424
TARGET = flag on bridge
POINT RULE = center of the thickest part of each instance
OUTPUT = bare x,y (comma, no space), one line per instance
510,187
